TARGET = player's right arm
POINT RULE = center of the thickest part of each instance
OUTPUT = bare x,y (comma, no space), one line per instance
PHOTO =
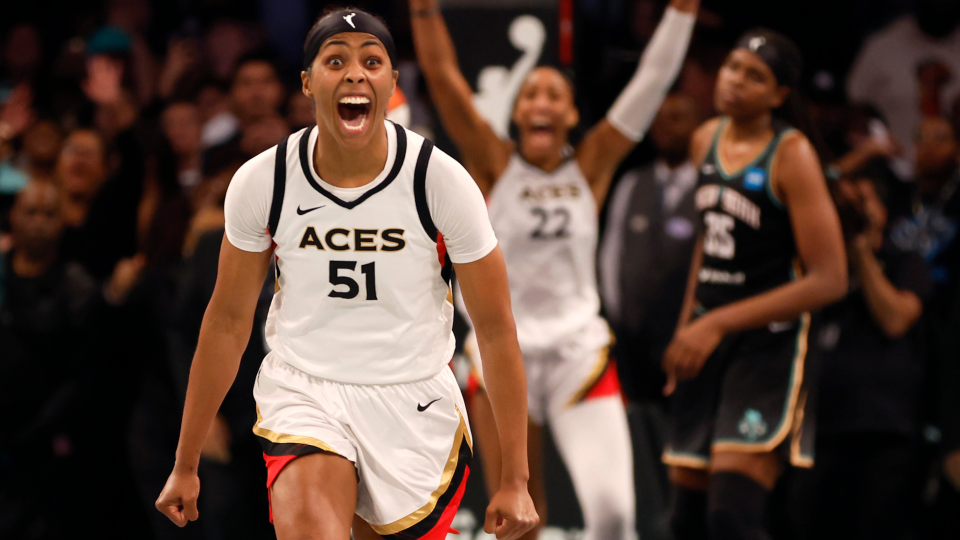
244,261
485,155
226,328
699,146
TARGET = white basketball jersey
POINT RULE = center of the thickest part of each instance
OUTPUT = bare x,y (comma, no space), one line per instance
363,288
547,227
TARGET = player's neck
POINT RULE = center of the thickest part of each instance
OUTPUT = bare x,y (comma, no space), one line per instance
546,162
350,167
748,128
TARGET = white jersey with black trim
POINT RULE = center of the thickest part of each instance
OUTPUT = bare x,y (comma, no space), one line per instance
547,226
363,273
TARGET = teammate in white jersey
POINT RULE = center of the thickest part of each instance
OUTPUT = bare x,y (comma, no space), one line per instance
361,421
544,199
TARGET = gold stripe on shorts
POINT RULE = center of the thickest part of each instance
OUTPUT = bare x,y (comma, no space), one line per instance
445,479
602,360
283,438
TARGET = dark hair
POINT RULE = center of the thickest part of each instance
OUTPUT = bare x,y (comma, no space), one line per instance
260,56
368,22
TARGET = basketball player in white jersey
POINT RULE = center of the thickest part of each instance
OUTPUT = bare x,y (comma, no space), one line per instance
544,199
361,420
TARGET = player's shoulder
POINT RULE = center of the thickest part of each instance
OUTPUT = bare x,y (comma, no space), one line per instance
702,139
795,145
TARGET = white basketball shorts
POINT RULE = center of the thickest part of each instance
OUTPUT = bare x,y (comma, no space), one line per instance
410,442
577,370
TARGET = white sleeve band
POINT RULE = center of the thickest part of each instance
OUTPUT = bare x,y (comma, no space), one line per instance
637,105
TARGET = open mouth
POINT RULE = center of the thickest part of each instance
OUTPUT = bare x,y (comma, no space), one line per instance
541,127
353,111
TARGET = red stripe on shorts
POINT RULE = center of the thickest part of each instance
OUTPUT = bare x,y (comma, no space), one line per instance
607,385
442,528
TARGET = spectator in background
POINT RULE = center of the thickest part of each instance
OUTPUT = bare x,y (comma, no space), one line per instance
931,229
132,18
99,209
263,134
256,95
15,116
227,41
22,55
257,92
52,316
219,123
300,113
182,126
643,260
868,478
910,69
41,148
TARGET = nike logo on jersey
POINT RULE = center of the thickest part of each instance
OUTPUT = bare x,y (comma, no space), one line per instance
308,210
421,408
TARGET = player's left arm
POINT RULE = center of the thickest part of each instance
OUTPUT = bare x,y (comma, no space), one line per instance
459,213
609,142
487,297
799,183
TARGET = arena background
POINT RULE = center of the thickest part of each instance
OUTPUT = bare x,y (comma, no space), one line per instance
599,46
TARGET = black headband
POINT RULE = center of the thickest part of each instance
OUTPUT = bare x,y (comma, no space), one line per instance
778,52
347,21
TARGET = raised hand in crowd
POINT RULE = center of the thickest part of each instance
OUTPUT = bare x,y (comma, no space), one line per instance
182,56
864,152
17,114
125,276
104,87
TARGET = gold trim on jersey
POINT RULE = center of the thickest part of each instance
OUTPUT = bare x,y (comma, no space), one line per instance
775,161
797,459
283,438
595,374
409,521
788,415
684,460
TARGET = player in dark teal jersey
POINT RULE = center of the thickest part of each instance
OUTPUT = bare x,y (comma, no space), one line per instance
770,251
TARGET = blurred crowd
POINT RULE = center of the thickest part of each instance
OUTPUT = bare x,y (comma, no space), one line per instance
122,123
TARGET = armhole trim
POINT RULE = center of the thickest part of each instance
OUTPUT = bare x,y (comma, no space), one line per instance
279,186
420,190
772,163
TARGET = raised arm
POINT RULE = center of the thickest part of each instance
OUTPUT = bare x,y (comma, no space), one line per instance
894,310
487,297
223,337
484,154
609,142
816,229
